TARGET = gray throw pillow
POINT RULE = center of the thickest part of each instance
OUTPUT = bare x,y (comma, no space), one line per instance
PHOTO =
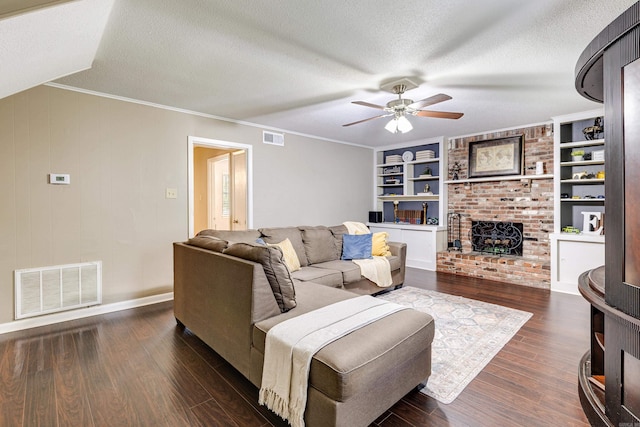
274,268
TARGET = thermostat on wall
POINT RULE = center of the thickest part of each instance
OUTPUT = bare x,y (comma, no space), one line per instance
59,178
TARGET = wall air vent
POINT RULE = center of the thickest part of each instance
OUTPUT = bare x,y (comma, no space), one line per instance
272,138
46,290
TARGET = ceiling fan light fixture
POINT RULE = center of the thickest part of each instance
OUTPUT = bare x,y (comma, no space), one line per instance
404,125
392,126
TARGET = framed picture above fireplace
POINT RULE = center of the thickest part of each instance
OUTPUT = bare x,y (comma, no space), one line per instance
496,157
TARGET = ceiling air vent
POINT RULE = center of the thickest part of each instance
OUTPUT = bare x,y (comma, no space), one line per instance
272,138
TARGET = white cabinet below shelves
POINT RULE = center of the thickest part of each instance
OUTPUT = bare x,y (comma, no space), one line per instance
423,242
572,255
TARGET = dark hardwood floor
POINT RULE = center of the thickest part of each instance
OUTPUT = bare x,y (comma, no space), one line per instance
137,368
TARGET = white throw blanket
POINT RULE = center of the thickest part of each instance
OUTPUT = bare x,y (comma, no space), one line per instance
290,346
377,269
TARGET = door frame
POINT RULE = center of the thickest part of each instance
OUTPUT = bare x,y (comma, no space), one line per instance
196,141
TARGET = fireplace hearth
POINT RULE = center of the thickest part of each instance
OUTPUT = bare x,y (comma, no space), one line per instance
496,238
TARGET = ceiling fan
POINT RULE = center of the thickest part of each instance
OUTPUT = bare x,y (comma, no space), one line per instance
399,108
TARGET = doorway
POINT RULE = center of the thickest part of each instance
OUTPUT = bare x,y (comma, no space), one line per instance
220,185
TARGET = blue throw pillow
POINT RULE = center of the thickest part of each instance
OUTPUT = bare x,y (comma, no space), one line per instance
356,246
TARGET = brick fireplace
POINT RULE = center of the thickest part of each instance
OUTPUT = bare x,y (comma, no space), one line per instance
528,202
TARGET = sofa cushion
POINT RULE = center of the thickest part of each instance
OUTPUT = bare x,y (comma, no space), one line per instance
338,231
319,244
274,268
246,236
277,235
356,246
208,242
379,245
290,256
322,276
350,270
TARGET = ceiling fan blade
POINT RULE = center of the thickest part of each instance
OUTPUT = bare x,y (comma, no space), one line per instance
438,114
368,104
366,120
441,97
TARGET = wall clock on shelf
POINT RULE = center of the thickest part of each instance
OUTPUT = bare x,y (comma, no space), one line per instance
407,156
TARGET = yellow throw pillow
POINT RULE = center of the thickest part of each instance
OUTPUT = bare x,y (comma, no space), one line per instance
379,245
290,257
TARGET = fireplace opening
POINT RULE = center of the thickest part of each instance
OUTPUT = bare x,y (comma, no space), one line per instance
496,238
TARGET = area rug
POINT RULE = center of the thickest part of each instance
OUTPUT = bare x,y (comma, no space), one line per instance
468,335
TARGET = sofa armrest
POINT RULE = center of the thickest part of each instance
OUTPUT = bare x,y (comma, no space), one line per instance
399,249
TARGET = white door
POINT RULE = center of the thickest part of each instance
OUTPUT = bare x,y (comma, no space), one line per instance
219,193
239,191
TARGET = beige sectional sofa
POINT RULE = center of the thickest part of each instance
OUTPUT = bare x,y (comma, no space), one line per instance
230,290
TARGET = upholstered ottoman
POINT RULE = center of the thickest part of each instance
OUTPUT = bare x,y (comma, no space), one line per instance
358,377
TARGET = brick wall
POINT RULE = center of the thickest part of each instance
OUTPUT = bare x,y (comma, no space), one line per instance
529,202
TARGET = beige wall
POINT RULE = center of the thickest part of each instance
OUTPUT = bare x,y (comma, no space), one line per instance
121,157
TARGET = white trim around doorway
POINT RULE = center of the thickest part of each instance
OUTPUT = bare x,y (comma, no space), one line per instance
195,141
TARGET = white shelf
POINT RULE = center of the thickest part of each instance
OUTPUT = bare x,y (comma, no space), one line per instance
582,200
390,174
417,162
408,198
582,181
500,178
583,163
585,143
426,178
388,165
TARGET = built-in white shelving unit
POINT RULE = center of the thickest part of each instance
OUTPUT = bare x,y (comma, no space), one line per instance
578,187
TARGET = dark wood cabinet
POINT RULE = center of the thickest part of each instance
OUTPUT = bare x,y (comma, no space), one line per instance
609,71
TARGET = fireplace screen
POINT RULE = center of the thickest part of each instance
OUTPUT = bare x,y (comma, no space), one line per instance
498,238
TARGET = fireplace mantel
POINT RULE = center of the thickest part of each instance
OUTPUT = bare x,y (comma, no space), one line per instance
500,178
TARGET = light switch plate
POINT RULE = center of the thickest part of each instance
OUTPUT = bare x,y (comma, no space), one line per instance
171,193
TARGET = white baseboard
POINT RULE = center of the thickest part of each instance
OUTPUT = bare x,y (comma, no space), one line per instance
65,316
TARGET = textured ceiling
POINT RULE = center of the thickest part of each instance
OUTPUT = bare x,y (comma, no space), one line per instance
297,65
41,40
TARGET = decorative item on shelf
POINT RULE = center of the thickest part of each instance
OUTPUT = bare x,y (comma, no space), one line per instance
600,175
593,223
407,156
455,171
427,191
394,169
597,155
579,175
575,197
395,211
425,155
577,155
564,195
587,156
595,131
433,221
406,216
392,181
426,171
393,158
424,212
570,229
